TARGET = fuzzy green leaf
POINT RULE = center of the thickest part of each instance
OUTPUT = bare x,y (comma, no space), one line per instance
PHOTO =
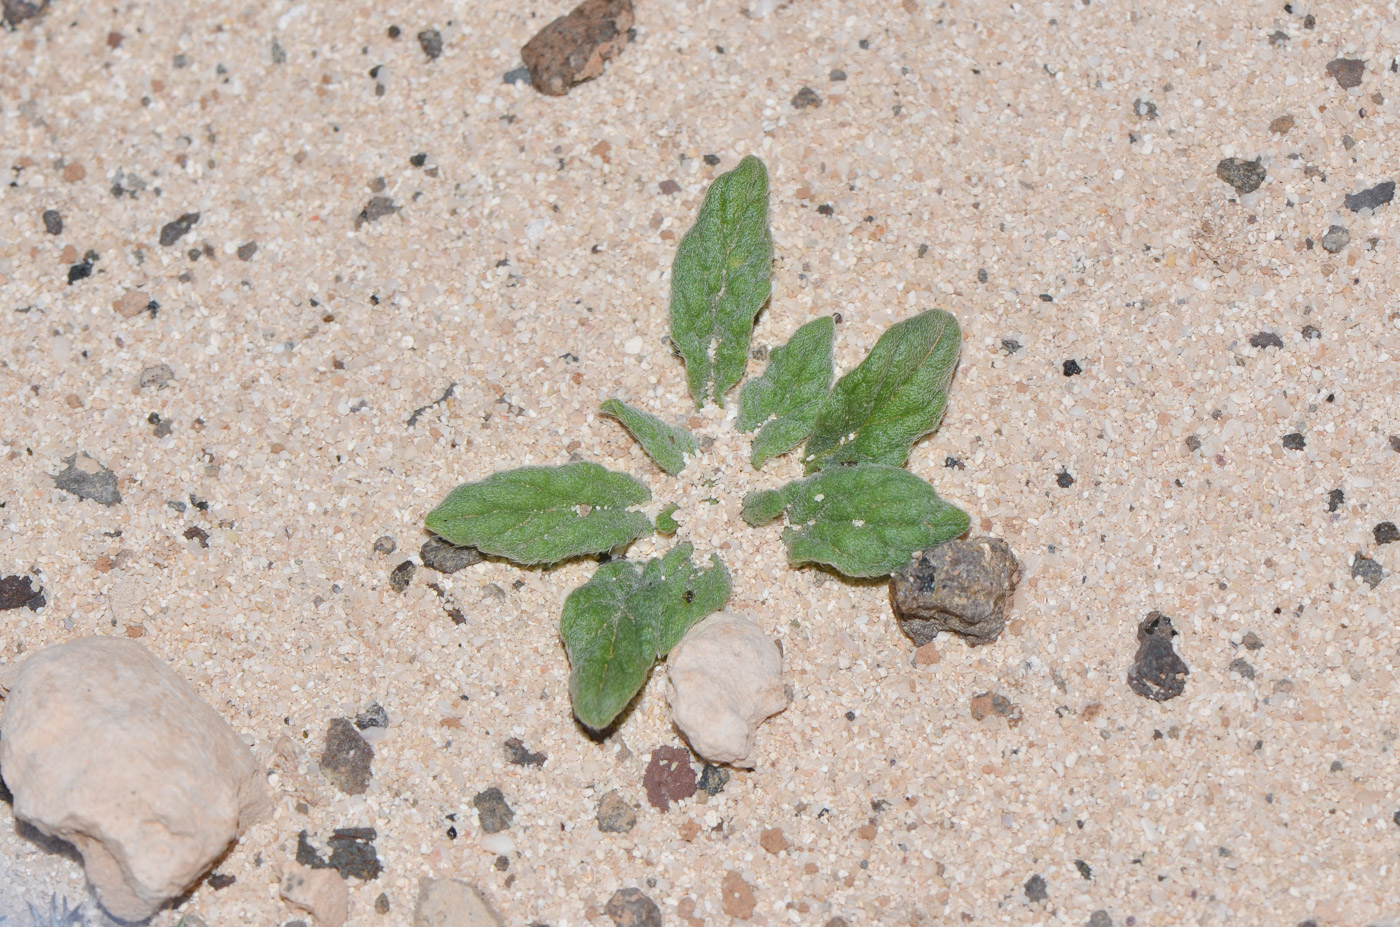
865,520
619,623
666,519
762,506
543,514
790,391
666,445
720,280
877,411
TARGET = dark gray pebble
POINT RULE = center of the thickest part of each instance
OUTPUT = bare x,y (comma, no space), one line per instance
1244,176
1386,533
17,11
806,98
1347,72
19,592
1157,672
491,808
520,75
352,853
1295,441
347,757
85,478
247,250
402,575
1265,340
713,779
517,754
1372,197
53,222
430,40
1367,570
374,715
439,555
377,208
1243,667
174,230
1335,239
1036,889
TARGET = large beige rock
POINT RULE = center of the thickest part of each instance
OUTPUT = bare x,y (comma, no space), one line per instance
104,746
453,903
319,892
725,678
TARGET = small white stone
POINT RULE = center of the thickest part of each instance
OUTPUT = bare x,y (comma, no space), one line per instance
633,345
725,679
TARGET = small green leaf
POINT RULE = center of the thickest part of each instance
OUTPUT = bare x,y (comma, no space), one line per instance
865,520
666,445
543,514
665,519
762,506
876,412
619,623
720,280
790,391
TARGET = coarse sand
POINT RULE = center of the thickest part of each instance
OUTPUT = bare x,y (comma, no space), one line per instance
318,229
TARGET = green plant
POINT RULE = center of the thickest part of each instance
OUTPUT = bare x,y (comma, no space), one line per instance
856,511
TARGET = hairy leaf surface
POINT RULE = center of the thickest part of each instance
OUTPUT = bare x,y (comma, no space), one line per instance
619,623
864,520
786,398
720,279
895,396
665,444
544,514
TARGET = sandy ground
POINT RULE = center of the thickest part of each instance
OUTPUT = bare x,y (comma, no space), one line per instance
1067,149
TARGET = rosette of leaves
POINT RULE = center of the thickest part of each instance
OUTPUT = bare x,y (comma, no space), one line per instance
857,510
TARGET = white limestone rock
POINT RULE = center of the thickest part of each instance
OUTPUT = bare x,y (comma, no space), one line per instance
104,746
725,678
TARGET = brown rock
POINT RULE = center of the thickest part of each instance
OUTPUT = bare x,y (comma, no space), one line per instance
927,655
736,896
867,831
994,703
774,840
72,172
963,586
669,777
319,892
1347,72
131,303
1282,124
689,830
106,747
615,815
572,49
17,11
629,907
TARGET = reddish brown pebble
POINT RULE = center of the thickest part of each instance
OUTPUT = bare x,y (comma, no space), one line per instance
736,896
572,49
689,830
927,655
74,172
114,39
669,777
670,187
866,832
774,840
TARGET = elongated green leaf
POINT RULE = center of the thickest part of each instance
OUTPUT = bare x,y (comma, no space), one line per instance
665,444
543,514
621,621
865,520
790,391
876,412
720,280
